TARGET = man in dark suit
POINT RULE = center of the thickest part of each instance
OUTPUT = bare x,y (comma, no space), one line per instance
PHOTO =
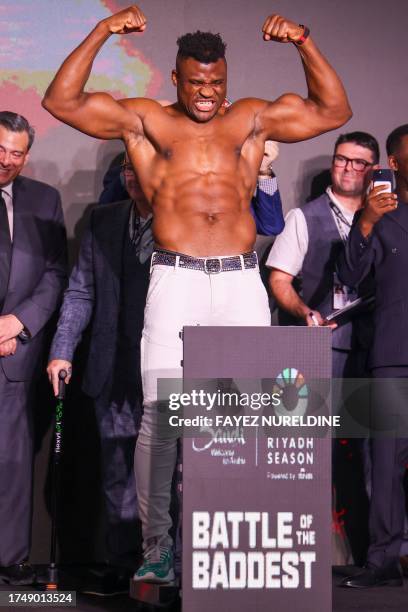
304,284
32,278
109,285
379,240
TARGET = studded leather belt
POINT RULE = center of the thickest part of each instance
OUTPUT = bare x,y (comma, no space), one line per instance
209,265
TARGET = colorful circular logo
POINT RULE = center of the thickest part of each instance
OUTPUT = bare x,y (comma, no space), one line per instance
291,386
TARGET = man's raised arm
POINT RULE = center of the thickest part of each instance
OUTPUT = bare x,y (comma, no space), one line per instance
292,118
96,114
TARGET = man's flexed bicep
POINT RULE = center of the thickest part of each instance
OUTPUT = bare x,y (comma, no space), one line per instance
292,118
96,114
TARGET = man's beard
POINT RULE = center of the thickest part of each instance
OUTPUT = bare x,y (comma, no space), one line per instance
351,193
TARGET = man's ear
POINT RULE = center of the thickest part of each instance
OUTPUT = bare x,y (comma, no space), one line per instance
174,77
26,158
392,162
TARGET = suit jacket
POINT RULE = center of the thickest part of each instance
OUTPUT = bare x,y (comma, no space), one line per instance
38,270
94,296
386,252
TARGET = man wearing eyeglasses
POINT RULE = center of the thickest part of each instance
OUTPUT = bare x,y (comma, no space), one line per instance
314,234
305,285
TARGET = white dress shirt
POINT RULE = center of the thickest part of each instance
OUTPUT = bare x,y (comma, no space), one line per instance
7,193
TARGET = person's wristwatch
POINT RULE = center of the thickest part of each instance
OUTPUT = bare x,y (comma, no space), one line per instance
24,336
306,33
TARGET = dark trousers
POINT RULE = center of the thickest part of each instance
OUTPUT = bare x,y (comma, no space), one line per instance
349,459
16,469
118,414
389,456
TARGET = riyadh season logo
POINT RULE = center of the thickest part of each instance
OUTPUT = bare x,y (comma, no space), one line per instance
290,384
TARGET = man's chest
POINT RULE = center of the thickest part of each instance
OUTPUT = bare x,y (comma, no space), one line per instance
198,146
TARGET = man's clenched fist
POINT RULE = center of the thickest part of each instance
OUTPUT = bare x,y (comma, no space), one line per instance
282,30
129,20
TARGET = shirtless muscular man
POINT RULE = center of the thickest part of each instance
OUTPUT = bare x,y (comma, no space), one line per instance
197,163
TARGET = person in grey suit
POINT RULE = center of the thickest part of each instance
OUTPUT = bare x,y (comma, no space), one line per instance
109,285
378,240
32,279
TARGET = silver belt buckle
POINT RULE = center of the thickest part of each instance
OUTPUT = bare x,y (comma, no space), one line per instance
210,266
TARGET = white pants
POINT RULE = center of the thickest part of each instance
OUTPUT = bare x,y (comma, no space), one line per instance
180,297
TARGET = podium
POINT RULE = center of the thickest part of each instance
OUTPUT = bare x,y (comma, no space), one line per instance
257,499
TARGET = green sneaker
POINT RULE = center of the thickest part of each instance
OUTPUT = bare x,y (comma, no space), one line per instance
157,564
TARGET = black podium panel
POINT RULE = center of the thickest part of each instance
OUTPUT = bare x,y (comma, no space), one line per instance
257,499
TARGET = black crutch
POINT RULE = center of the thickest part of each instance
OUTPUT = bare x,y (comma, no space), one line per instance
52,574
